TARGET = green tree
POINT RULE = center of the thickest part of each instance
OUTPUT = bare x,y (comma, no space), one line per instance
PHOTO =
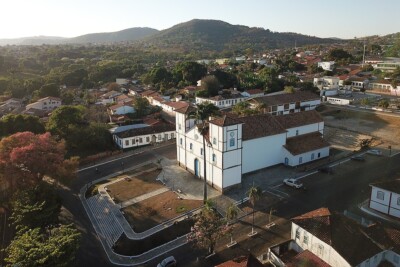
54,247
11,124
35,207
226,79
254,194
50,89
141,106
365,102
289,89
201,115
64,118
231,214
189,72
338,54
384,103
208,228
211,84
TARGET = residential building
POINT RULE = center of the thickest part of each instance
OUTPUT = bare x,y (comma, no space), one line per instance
47,103
121,109
332,239
327,65
359,82
144,136
239,145
222,101
383,85
327,83
122,81
389,66
285,103
385,197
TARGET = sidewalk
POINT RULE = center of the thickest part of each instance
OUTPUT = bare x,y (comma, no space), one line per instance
365,208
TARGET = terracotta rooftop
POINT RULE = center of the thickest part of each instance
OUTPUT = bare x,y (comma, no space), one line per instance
352,241
186,110
178,104
281,99
306,259
49,98
148,93
299,118
258,126
225,120
249,261
381,82
146,130
254,91
304,143
392,186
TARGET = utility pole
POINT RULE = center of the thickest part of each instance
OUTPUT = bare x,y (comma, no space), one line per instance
363,56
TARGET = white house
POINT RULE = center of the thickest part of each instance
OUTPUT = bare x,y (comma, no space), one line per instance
122,81
47,103
239,145
327,65
338,100
222,101
332,239
327,83
144,136
285,103
121,109
385,197
383,85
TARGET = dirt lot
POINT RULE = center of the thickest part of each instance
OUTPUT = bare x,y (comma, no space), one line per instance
155,210
345,128
134,186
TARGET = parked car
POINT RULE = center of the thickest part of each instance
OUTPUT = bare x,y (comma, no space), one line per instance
358,158
167,262
292,182
326,169
375,152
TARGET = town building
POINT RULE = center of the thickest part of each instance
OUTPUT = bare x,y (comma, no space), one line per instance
222,101
239,145
322,238
385,197
144,135
327,65
47,103
281,104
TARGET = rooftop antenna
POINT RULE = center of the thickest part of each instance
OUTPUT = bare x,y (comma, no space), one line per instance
363,55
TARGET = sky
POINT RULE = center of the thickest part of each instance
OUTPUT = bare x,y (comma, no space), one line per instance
322,18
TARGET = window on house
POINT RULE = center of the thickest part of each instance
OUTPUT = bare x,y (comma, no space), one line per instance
190,146
398,201
319,155
172,135
297,132
232,142
159,137
300,160
127,142
305,239
320,250
179,126
133,141
201,151
140,140
147,139
286,106
312,156
214,141
180,141
380,195
298,234
214,158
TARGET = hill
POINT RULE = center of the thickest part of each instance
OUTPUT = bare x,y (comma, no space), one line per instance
218,35
132,34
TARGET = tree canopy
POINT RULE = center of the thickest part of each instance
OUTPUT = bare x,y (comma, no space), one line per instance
12,123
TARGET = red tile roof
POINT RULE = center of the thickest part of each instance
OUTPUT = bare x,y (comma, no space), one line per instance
305,143
306,259
299,118
243,261
255,91
178,104
225,120
352,241
281,99
258,126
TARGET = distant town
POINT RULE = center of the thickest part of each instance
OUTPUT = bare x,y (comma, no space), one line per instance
150,153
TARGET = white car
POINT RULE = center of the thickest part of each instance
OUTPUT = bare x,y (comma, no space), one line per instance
293,183
168,262
375,152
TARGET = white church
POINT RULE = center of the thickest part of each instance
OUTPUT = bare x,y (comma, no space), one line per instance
239,145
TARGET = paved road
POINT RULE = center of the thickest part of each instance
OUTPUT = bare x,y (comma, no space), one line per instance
91,252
